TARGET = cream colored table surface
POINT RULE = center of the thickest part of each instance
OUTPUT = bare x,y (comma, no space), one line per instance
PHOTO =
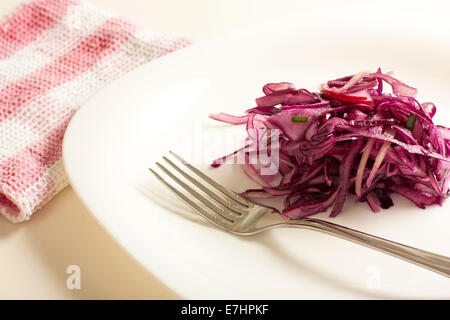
35,254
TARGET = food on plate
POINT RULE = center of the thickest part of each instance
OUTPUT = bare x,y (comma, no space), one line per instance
351,137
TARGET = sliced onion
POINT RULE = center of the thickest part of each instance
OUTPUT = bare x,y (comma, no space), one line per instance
362,166
379,159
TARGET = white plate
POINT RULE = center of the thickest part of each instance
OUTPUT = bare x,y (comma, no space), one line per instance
163,105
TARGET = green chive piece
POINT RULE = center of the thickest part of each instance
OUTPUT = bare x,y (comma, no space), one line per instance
411,121
300,119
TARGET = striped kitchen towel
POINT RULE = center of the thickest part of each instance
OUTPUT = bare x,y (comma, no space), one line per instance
54,55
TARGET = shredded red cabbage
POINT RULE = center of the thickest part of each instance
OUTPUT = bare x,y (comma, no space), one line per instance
354,138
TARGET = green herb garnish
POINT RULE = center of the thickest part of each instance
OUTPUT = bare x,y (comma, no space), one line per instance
411,121
300,119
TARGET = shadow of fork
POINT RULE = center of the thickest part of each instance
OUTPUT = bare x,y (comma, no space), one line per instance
171,203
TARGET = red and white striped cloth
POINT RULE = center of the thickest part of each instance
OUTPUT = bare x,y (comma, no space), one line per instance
54,55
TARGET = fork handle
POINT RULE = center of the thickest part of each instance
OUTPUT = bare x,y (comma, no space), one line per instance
434,262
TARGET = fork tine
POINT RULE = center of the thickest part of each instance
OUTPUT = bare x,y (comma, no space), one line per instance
201,211
222,212
230,205
212,182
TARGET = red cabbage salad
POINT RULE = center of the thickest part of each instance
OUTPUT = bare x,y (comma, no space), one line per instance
351,137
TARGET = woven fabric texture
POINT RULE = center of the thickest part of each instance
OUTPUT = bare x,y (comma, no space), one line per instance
55,55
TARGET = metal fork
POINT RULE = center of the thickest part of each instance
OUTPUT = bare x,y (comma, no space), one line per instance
230,212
